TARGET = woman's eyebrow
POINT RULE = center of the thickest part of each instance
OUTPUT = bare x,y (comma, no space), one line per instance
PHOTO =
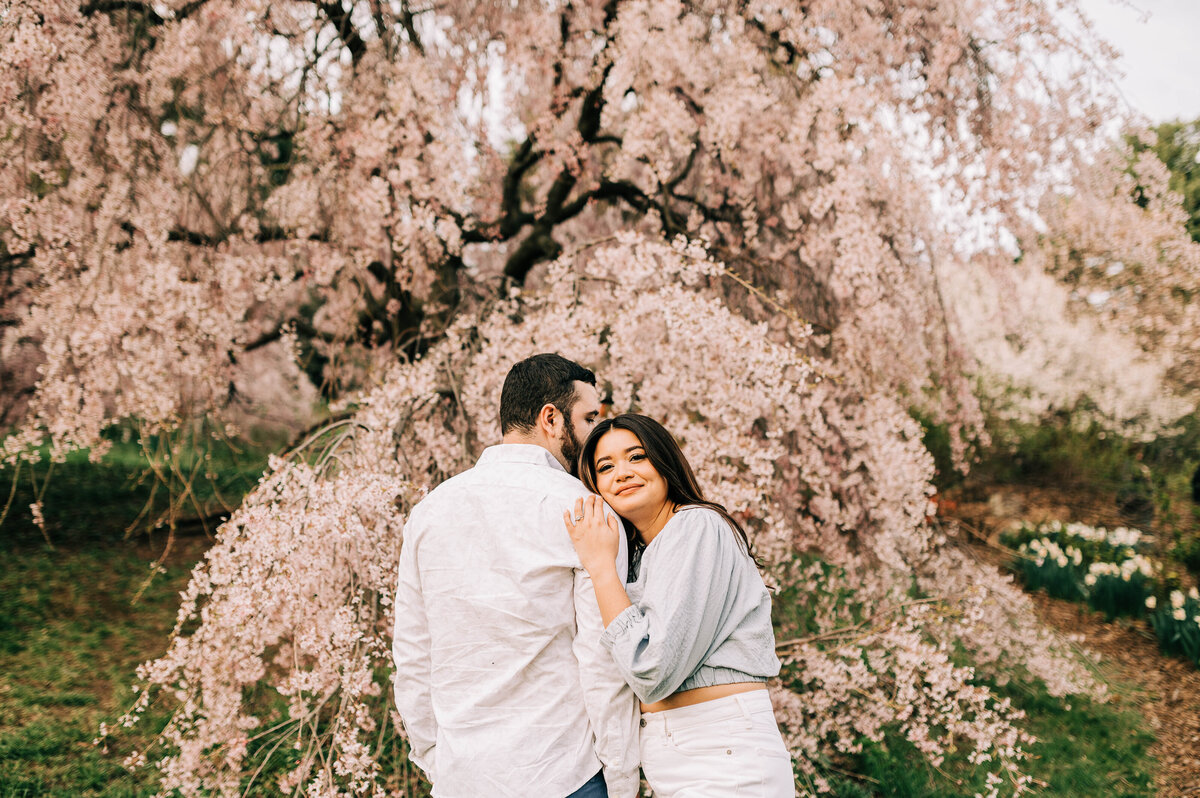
600,460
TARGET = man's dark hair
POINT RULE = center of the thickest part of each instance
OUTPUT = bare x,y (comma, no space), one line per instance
545,379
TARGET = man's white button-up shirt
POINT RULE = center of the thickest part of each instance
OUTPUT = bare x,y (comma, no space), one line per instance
501,681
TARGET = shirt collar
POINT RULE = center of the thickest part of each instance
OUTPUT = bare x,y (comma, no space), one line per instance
520,453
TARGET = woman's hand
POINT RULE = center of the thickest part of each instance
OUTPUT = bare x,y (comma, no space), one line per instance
597,538
597,541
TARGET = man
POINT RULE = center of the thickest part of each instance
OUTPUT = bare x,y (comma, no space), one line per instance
501,681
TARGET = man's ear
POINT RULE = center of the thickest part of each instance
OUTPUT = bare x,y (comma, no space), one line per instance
548,419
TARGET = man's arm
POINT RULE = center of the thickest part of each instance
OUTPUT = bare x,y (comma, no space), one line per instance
611,705
410,651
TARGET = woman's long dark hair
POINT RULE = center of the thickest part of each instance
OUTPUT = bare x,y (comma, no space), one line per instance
667,458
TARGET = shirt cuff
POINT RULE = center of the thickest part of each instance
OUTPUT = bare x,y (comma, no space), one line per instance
628,617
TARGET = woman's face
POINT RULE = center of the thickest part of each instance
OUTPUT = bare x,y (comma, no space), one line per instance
625,477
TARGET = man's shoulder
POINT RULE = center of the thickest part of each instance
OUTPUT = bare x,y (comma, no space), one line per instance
537,477
550,482
444,491
560,483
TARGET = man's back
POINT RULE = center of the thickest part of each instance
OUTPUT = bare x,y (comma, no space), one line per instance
494,637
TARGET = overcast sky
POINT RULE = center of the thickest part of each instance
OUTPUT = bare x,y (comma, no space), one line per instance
1160,45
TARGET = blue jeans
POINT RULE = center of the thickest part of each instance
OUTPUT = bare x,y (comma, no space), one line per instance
595,788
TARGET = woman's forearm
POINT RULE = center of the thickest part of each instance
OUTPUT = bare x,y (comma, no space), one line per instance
610,594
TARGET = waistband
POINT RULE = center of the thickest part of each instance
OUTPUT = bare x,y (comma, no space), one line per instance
738,705
708,676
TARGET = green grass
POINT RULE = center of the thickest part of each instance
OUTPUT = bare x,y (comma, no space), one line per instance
1083,749
70,635
69,643
87,502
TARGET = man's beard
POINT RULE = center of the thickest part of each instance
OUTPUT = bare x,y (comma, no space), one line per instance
571,446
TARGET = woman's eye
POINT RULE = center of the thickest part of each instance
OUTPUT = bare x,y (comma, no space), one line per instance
602,469
633,458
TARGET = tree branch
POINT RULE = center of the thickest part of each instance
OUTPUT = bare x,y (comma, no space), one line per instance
12,262
408,22
194,238
590,113
538,246
794,54
512,218
106,6
145,9
340,18
266,233
301,326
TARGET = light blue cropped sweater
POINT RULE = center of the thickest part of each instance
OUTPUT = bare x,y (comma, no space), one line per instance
700,613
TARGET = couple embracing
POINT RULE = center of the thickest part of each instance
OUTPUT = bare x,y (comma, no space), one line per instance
571,608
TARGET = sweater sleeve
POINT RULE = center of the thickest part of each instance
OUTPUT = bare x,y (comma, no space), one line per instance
661,640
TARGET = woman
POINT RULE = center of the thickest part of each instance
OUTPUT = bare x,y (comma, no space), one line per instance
691,633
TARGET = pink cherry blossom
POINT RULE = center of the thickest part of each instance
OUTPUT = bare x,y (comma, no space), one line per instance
778,227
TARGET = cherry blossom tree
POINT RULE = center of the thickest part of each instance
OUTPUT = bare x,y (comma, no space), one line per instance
296,593
749,217
188,184
1177,144
1100,304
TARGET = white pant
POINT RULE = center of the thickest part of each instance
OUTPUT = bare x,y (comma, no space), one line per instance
726,748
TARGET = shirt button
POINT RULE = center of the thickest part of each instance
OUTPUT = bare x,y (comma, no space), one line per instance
643,722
